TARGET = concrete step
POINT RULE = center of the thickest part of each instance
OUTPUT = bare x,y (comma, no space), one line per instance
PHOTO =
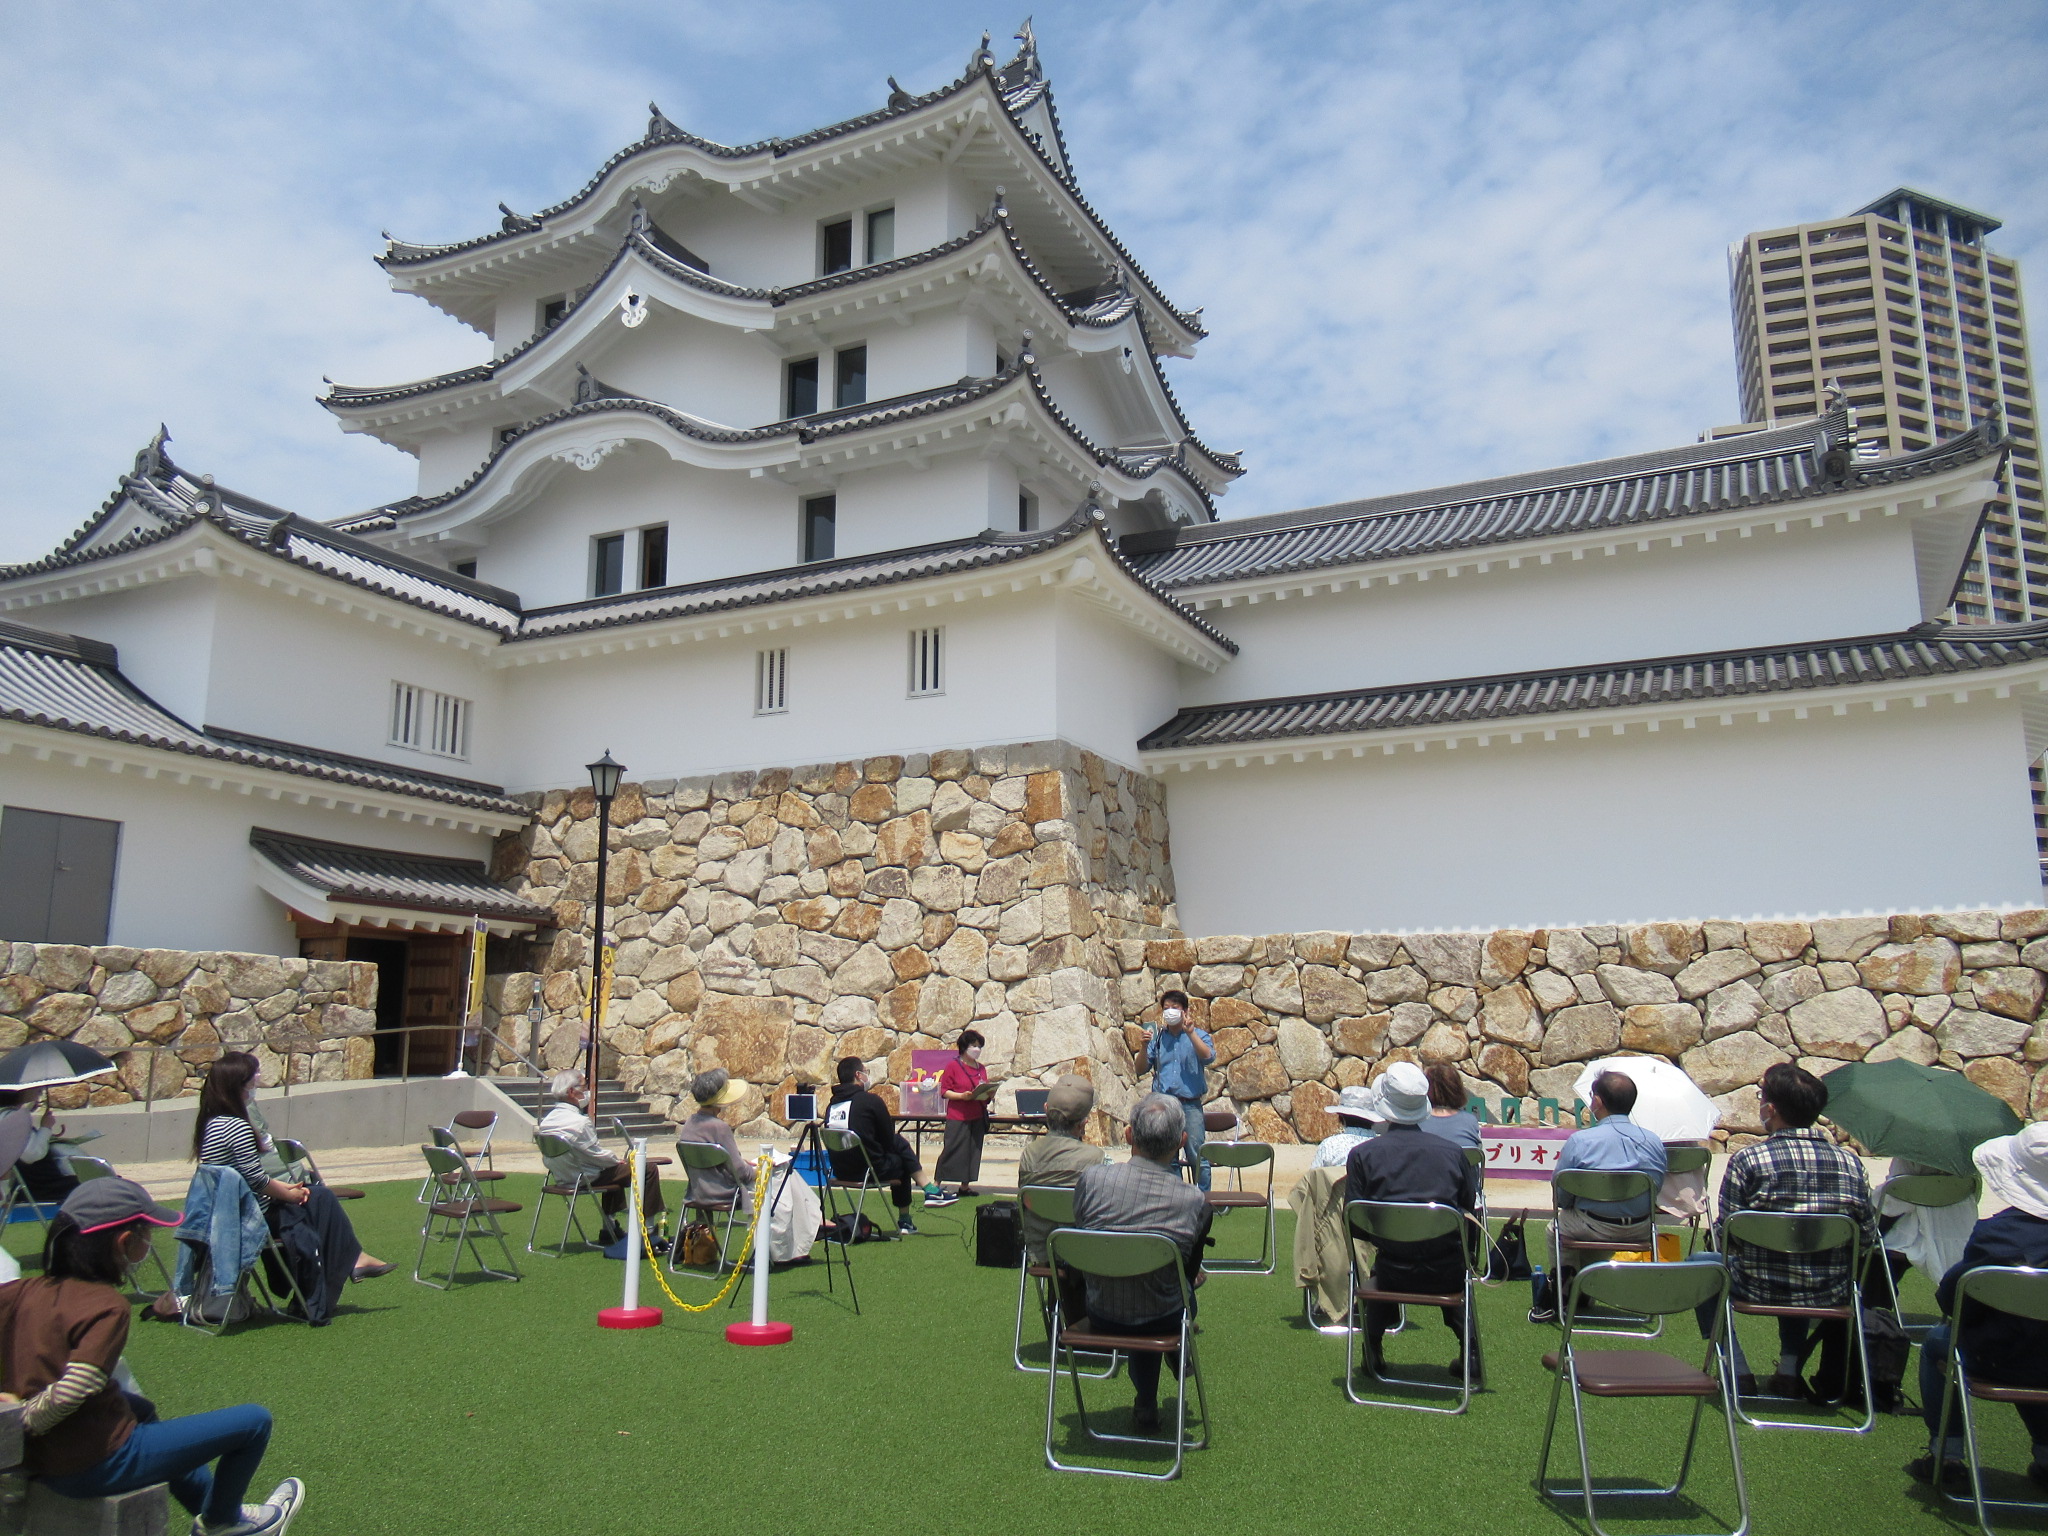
613,1103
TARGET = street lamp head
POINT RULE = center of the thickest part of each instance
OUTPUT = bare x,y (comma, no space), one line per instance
605,775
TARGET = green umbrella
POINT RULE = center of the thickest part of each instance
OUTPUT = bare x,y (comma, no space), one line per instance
1901,1109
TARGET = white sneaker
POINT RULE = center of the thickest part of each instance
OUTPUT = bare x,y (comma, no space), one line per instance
266,1519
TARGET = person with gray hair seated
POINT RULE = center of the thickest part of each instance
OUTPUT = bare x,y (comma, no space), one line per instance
586,1162
1145,1194
714,1090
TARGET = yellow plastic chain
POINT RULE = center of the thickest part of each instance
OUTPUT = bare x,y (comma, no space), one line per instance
739,1265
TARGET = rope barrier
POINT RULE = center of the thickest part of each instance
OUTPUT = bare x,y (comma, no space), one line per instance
739,1267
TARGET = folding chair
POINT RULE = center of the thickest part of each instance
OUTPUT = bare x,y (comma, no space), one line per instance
1386,1221
300,1168
466,1213
2003,1288
847,1141
16,1126
1787,1232
1119,1256
85,1170
705,1155
485,1120
1238,1156
1685,1160
1592,1184
572,1193
1648,1290
1475,1157
444,1136
1931,1191
237,1301
1053,1203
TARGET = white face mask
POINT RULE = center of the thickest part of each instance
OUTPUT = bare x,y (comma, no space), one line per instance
973,1053
1172,1015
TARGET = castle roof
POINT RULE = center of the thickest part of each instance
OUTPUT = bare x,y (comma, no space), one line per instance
384,877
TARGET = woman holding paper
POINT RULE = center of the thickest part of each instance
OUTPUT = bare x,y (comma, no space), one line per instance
966,1089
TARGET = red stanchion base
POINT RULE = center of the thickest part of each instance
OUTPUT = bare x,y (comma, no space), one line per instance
759,1333
629,1317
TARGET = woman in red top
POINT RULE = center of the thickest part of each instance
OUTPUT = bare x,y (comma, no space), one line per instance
962,1087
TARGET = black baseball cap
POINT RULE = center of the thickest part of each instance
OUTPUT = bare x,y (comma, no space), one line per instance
100,1203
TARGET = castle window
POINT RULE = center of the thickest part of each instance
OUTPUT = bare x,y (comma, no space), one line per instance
927,662
427,721
850,377
465,568
771,681
552,310
800,387
881,235
654,556
835,247
820,527
607,564
1027,512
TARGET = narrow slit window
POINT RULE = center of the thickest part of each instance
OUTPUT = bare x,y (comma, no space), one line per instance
654,556
607,564
430,721
1027,512
771,681
800,387
821,527
850,377
881,235
927,662
835,247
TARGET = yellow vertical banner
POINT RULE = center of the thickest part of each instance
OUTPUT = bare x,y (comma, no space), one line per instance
473,1009
604,986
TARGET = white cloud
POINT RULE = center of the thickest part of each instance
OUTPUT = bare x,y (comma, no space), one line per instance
1434,241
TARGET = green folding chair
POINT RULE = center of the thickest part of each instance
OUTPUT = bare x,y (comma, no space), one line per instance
2020,1293
707,1157
1787,1232
1615,1186
1647,1290
1237,1156
1123,1256
570,1193
1384,1221
1053,1203
465,1213
1931,1191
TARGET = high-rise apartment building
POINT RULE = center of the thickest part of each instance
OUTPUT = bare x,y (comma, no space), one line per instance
1922,327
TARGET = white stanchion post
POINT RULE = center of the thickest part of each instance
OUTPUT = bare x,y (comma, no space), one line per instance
629,1313
760,1330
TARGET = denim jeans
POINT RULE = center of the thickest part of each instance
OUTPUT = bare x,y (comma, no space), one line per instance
1191,1111
1933,1366
177,1451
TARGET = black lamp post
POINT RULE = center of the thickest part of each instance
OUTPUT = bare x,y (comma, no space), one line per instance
604,782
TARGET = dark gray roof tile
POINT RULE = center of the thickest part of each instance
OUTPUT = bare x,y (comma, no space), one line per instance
384,877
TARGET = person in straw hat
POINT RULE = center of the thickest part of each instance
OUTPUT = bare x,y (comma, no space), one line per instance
714,1091
1358,1115
2010,1351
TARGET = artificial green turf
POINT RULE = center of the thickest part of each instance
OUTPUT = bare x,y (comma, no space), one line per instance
502,1407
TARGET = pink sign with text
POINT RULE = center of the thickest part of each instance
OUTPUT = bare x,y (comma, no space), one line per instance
1522,1151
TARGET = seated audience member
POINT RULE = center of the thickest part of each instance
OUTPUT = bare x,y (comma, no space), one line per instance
587,1162
86,1438
1798,1169
1059,1158
44,1166
1613,1143
966,1118
1358,1114
2003,1349
1448,1116
1145,1194
1404,1165
713,1091
223,1136
856,1108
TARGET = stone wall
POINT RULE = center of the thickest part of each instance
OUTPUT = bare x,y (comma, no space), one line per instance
163,1014
773,922
1297,1017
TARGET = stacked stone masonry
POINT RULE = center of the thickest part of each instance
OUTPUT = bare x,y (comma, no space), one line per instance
775,922
162,1015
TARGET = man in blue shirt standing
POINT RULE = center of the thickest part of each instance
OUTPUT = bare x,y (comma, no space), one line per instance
1178,1056
1613,1143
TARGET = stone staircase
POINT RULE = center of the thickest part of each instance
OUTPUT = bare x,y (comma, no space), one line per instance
613,1103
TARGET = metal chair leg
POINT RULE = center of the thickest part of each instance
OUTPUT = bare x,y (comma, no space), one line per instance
1856,1342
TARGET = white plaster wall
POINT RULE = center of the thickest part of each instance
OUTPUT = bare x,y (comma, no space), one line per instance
897,507
450,457
686,710
1912,810
708,370
1114,685
183,879
1807,584
164,632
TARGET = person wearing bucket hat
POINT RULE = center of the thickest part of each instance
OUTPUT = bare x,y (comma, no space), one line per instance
85,1437
714,1091
1405,1166
1357,1112
2004,1350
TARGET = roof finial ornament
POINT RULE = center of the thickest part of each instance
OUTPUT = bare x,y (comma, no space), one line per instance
640,220
1000,209
1028,51
587,387
151,461
1026,358
898,97
1833,396
981,58
516,221
658,125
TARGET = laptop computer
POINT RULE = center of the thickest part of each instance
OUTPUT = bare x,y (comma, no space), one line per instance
1031,1101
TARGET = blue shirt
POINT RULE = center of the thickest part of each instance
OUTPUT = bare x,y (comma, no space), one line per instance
1176,1069
1614,1145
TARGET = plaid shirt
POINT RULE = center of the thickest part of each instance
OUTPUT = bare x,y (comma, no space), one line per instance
1799,1171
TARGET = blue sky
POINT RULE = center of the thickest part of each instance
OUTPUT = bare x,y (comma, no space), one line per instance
1433,240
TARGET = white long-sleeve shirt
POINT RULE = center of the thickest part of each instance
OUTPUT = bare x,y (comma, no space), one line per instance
586,1158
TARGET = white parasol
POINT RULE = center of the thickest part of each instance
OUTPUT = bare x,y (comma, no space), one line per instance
1669,1105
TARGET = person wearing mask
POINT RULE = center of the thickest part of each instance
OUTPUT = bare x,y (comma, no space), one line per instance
857,1108
1448,1116
1178,1055
964,1086
1613,1143
587,1162
84,1436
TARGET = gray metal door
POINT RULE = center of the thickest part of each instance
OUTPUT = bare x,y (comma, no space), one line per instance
56,876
